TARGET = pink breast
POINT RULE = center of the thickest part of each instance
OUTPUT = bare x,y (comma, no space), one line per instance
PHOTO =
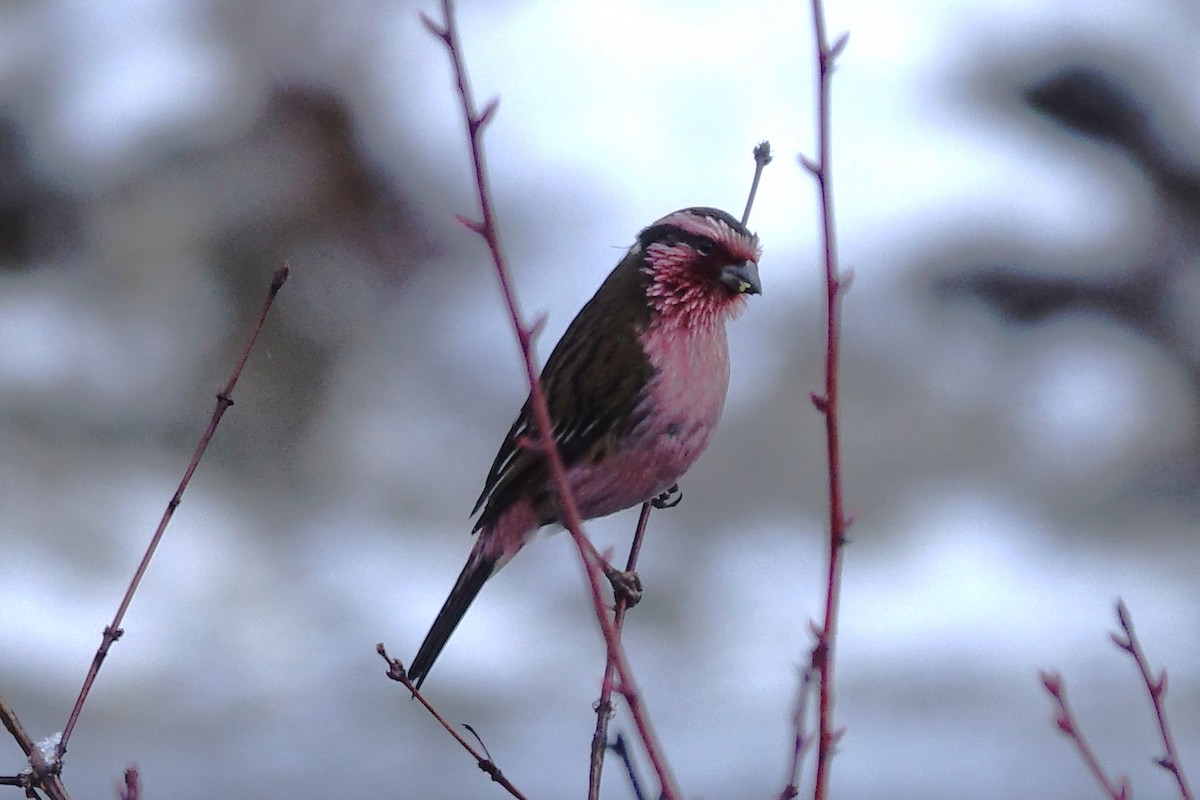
684,402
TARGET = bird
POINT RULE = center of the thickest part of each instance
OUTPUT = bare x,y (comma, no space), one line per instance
634,387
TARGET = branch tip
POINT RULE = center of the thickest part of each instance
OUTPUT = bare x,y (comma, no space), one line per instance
762,157
473,225
762,153
839,46
844,281
440,31
533,445
539,324
1052,681
488,112
479,739
1123,615
280,276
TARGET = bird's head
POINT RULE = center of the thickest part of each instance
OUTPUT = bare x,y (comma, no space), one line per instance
699,263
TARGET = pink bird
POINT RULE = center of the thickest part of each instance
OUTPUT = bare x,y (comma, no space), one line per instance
635,387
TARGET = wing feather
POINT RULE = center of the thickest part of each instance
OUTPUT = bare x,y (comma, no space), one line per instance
594,380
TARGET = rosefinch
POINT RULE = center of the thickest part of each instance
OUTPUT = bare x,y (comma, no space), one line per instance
635,387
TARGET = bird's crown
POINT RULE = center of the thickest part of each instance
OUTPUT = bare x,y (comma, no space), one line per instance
709,223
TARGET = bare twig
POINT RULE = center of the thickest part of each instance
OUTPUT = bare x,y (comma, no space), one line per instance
42,774
1065,720
762,157
132,788
827,403
486,228
801,741
484,761
619,747
224,400
1157,688
604,707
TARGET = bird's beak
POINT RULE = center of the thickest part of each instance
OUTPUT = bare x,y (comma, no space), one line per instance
742,278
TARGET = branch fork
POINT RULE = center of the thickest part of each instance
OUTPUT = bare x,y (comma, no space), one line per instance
1156,687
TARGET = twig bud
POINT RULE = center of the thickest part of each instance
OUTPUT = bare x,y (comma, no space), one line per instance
475,226
489,110
1052,681
839,46
440,31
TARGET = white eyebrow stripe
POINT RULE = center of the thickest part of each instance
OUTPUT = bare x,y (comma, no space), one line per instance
738,244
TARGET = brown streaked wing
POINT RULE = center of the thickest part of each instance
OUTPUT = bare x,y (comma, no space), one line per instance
593,380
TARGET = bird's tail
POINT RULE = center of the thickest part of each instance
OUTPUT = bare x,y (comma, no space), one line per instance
479,568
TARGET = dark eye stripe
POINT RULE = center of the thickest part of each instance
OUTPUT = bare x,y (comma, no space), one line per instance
671,236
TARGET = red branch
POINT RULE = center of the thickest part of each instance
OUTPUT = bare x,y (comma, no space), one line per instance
1157,687
484,761
1065,720
224,400
568,512
827,404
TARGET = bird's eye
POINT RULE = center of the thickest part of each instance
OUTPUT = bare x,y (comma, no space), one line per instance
705,248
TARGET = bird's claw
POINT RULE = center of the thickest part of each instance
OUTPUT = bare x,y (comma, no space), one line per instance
668,499
626,586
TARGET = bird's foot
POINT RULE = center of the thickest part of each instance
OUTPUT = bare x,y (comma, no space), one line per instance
626,586
668,499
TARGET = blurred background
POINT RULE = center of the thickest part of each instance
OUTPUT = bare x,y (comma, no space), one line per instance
1018,196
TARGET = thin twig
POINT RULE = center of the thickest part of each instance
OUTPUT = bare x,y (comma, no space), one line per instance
1157,687
568,512
11,722
827,404
604,707
1065,720
397,673
762,157
801,741
224,400
41,775
132,788
622,750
